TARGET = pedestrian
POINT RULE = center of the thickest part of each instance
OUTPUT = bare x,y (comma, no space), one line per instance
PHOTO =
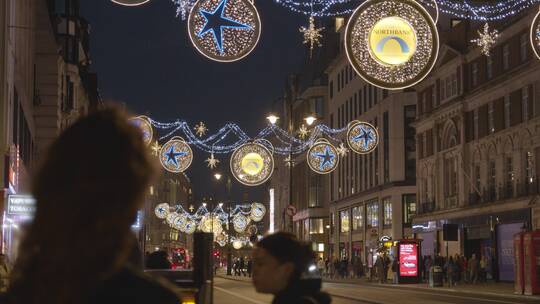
241,266
93,180
327,267
386,267
427,267
473,265
249,267
280,260
450,271
320,266
482,270
395,270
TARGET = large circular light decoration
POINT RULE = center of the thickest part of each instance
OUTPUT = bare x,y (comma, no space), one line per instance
535,35
224,30
362,137
130,2
258,211
190,226
252,164
179,223
240,223
322,157
162,210
171,217
143,124
176,156
211,224
392,44
237,244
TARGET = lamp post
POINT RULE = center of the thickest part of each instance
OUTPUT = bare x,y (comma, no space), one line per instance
228,186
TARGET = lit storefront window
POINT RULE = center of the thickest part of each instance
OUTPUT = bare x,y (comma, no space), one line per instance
358,218
387,205
344,221
373,214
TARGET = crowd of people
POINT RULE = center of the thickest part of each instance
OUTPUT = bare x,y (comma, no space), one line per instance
459,269
242,266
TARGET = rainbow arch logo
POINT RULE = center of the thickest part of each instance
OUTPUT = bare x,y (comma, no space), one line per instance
392,41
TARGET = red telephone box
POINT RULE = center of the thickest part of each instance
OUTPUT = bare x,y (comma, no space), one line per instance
531,262
518,263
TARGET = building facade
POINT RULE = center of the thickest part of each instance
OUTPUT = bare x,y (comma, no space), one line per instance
478,145
371,196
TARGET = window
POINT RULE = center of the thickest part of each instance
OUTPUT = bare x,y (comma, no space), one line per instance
409,207
509,176
506,111
492,177
525,103
386,148
314,191
475,126
474,74
489,67
410,142
316,226
331,85
529,168
434,96
491,122
332,223
373,214
523,47
506,56
344,221
357,218
387,205
339,82
450,169
477,178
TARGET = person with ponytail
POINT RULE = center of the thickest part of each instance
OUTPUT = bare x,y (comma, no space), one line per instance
281,265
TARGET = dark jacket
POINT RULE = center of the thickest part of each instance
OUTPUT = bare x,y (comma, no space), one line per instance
134,287
303,292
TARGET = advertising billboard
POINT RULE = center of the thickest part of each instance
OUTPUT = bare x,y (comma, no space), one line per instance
408,260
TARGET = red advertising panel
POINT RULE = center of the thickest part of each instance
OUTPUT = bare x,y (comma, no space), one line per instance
408,260
518,264
531,262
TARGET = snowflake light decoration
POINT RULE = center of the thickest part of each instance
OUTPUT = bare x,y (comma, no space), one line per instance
200,129
212,161
312,35
486,39
288,161
155,148
303,132
342,150
183,7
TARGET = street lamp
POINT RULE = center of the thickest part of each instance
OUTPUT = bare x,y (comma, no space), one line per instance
310,120
272,118
228,185
217,176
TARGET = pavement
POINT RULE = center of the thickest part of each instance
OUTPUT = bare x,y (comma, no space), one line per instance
362,291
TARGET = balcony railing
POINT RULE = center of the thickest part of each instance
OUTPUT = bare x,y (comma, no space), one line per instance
493,194
426,207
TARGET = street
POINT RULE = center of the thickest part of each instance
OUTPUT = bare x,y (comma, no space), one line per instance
228,291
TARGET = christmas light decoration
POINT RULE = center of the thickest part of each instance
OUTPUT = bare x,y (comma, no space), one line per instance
486,39
252,164
342,150
224,30
155,148
322,157
200,129
303,132
258,211
312,35
143,124
183,7
212,161
176,156
130,2
392,44
288,161
535,35
362,137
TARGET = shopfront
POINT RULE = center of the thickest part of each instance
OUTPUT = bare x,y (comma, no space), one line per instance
19,211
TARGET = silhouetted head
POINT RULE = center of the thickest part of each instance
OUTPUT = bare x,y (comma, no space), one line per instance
88,191
279,259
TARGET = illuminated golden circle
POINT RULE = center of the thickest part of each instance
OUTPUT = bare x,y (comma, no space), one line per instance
252,163
392,41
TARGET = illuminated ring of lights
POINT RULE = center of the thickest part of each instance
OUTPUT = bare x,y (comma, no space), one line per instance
143,124
176,155
436,7
240,223
535,35
211,224
316,160
221,239
252,164
359,146
237,244
253,230
130,2
190,227
392,75
162,210
236,43
258,211
171,217
179,222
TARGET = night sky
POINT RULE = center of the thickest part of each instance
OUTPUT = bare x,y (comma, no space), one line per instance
144,58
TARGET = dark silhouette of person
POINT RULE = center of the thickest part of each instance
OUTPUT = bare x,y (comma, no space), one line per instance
88,190
158,260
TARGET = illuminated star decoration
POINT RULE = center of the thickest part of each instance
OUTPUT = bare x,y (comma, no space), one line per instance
327,158
183,7
288,161
191,208
155,148
365,135
486,39
212,162
172,156
216,22
312,34
342,150
303,132
200,129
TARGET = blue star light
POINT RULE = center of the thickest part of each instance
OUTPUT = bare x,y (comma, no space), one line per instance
172,156
327,158
216,22
366,135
